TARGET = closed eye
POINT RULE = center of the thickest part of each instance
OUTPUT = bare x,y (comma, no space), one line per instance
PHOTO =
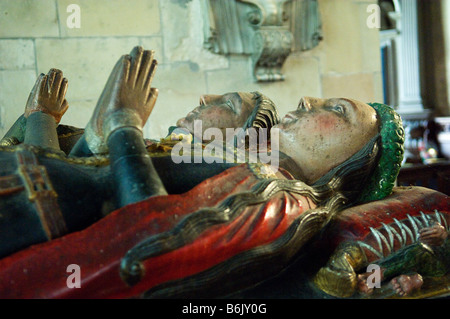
339,108
230,105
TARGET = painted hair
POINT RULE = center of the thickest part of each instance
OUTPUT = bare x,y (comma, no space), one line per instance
264,114
349,177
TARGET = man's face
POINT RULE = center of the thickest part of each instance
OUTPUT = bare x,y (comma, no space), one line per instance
230,110
322,133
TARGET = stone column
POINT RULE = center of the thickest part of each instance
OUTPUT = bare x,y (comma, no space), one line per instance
446,42
410,100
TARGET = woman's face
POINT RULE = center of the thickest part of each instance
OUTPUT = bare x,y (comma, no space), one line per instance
323,133
230,110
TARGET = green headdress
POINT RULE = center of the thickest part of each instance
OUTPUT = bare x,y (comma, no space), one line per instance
392,137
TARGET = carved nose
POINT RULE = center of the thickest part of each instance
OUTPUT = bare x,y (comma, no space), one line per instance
304,104
202,100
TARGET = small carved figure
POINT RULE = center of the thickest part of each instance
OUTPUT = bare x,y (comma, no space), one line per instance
405,236
429,257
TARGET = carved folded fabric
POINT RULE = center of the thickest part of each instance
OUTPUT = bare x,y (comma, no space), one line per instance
176,245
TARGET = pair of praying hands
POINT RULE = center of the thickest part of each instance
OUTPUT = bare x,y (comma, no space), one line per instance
127,99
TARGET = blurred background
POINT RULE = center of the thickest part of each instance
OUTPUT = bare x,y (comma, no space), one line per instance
391,51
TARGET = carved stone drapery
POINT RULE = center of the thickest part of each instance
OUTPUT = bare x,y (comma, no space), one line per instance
273,46
266,30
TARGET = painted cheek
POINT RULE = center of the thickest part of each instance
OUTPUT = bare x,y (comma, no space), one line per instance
327,123
219,118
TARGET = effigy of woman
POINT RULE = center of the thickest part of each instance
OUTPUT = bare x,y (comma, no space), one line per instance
138,225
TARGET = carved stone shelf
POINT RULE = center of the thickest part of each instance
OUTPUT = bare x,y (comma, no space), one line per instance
266,30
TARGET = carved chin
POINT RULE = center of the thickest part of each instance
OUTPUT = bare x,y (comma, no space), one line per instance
180,122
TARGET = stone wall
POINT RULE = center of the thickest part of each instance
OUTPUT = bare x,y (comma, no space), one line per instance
34,37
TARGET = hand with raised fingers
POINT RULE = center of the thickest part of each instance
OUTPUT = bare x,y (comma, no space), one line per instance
48,95
127,99
137,94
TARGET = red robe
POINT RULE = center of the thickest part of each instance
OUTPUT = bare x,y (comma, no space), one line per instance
41,271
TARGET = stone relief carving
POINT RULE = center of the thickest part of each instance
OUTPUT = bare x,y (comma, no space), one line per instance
266,30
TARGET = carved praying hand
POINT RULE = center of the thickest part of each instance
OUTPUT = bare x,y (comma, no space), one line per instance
136,91
127,99
48,95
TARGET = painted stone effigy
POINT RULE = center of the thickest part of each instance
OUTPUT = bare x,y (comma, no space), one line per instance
141,222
